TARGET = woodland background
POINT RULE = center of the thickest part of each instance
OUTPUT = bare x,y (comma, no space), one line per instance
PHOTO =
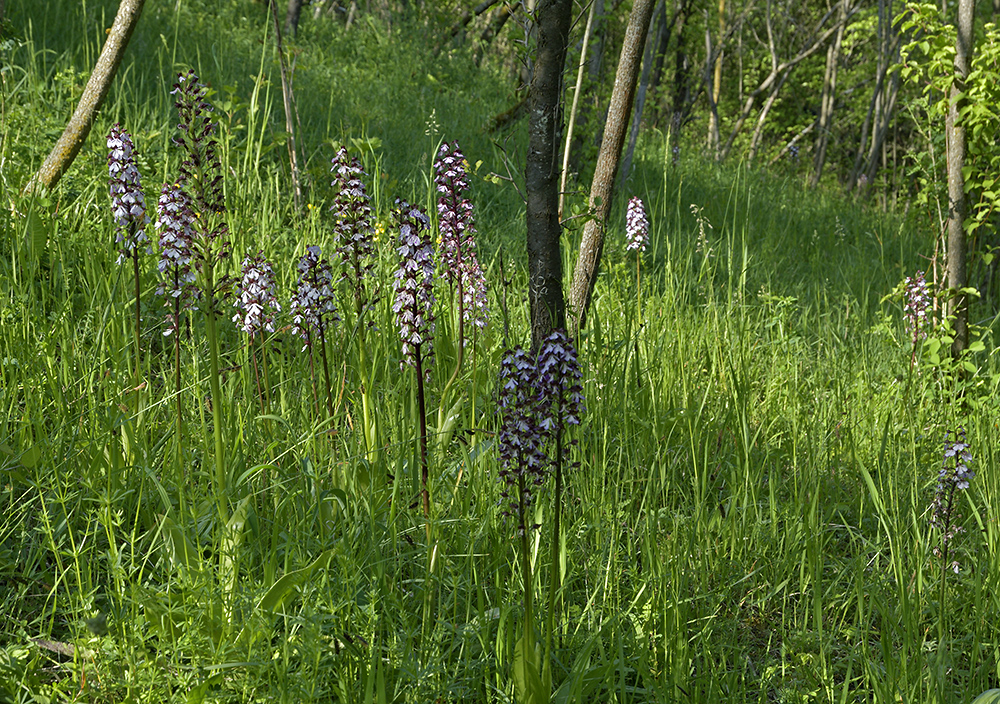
750,513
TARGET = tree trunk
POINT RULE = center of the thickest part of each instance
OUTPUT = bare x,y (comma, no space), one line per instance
541,172
496,22
525,74
640,102
660,51
287,98
957,274
715,87
576,103
292,17
597,50
678,103
758,130
883,103
75,134
602,188
828,100
592,110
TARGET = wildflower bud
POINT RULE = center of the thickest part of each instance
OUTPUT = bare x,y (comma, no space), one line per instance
559,376
201,169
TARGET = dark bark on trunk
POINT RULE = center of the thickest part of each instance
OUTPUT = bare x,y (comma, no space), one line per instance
957,207
75,134
597,48
828,101
881,131
660,52
602,188
541,172
662,42
292,17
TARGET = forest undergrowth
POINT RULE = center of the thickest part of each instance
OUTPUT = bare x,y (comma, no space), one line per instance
780,489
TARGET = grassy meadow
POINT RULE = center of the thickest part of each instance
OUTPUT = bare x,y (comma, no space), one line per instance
750,517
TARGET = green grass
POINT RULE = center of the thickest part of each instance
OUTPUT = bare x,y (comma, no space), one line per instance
749,521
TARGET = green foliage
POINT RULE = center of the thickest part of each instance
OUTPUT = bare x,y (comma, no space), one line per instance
748,521
928,60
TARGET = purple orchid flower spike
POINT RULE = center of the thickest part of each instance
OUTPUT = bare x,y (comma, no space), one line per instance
255,296
312,305
414,286
636,226
353,224
522,435
458,230
953,477
127,201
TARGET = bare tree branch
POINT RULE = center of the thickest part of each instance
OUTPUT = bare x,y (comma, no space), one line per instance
778,69
78,128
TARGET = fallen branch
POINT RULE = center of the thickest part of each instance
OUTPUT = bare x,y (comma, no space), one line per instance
78,128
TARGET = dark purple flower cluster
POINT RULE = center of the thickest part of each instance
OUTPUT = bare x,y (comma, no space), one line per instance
521,439
312,305
200,170
559,384
636,226
916,302
538,399
353,222
458,230
175,221
128,204
953,477
255,295
414,284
